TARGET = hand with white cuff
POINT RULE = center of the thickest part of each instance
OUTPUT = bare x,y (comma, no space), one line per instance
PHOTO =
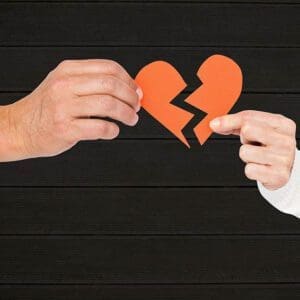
269,151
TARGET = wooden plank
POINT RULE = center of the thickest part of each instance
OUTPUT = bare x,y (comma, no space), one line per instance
158,24
140,211
164,1
152,292
148,128
133,163
265,70
137,260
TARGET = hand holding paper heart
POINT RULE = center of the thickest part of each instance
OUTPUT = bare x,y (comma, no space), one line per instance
268,144
221,87
72,104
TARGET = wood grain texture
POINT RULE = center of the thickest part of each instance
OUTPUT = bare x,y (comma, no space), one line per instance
133,24
146,260
273,70
161,1
140,211
153,292
133,163
142,217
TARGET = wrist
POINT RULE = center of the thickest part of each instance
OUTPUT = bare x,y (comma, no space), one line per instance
286,198
12,144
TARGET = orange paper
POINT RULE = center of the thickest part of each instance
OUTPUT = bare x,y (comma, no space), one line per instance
221,87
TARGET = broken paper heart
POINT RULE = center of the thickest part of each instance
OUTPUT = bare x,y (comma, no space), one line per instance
221,87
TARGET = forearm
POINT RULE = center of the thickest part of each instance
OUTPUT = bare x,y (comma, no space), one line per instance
287,198
11,145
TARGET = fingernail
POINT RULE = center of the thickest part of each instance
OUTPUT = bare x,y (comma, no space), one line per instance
140,93
215,123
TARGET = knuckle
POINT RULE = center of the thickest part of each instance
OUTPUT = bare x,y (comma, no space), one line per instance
246,129
59,120
288,143
107,103
108,83
52,74
121,110
59,84
281,142
280,118
289,161
247,114
64,65
284,161
72,137
292,125
291,145
111,67
58,115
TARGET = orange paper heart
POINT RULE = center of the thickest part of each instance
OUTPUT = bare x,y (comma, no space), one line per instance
221,87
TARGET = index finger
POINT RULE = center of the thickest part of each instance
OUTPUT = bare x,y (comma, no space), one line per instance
232,123
97,66
228,124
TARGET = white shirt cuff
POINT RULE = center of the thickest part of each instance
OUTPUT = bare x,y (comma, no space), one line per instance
287,198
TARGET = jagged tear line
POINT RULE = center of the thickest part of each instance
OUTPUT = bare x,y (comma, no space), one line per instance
199,115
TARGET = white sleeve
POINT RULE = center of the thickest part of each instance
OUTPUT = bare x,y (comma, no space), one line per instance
287,198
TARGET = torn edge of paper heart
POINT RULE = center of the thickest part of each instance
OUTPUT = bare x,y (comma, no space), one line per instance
221,78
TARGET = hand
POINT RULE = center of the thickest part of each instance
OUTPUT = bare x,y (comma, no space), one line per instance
268,144
57,115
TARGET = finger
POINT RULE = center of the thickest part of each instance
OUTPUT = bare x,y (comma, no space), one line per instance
85,85
105,106
228,124
278,122
256,132
97,66
249,131
95,129
258,172
267,175
260,155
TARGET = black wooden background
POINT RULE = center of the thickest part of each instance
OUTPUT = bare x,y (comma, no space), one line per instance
142,217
